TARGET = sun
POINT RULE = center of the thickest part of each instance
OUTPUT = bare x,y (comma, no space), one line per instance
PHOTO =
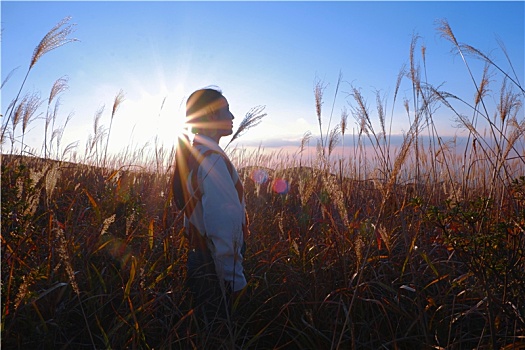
149,120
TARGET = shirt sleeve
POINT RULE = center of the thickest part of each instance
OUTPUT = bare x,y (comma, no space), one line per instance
223,217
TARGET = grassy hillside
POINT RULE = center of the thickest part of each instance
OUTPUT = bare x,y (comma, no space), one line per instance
95,258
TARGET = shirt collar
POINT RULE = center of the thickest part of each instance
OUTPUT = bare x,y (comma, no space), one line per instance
205,141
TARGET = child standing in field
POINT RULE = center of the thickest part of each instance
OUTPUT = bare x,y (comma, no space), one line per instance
207,187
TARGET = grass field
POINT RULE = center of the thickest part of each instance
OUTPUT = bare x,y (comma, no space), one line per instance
419,247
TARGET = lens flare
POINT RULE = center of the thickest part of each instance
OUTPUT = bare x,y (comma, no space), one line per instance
280,186
259,176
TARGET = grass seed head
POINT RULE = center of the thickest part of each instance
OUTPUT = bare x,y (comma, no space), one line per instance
251,119
55,38
59,86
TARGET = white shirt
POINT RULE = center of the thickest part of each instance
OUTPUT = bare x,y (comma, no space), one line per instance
219,216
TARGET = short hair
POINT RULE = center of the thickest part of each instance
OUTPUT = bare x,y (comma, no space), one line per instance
200,104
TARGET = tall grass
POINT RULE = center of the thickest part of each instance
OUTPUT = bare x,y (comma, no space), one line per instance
420,246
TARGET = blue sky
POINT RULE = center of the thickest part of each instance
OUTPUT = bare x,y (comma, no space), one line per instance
258,53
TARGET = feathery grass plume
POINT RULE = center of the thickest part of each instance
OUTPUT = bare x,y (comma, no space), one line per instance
344,121
464,122
361,112
119,98
251,119
59,86
518,130
344,125
69,149
483,86
333,139
414,69
31,106
336,197
362,116
318,94
63,253
7,78
55,135
23,290
107,222
61,134
406,104
306,139
400,75
481,92
50,181
507,102
306,188
51,118
19,112
95,139
399,161
402,72
446,31
55,38
508,109
415,78
381,114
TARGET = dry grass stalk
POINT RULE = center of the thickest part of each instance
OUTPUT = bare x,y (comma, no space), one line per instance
339,79
400,160
477,53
